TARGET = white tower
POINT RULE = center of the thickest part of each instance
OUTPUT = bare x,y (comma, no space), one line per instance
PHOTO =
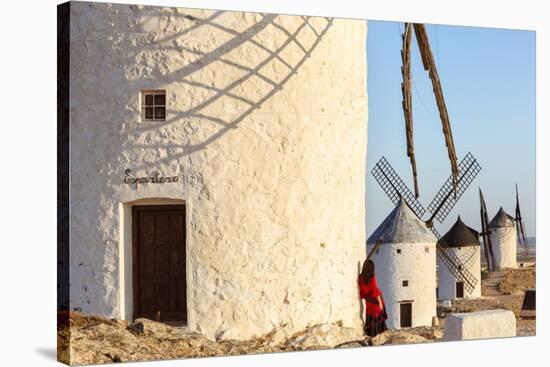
463,241
504,240
260,123
405,268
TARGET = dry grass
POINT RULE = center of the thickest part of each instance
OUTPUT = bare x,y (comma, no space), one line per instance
517,280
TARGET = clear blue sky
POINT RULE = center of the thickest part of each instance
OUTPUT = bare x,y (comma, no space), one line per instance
488,80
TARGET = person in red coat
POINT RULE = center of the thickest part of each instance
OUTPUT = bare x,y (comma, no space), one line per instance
374,314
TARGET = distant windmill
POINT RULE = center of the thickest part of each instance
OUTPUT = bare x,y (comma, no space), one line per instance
504,240
501,229
519,225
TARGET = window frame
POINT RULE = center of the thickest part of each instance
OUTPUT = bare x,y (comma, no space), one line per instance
143,105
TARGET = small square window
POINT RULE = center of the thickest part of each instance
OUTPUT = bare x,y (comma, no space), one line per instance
398,250
427,249
153,105
405,283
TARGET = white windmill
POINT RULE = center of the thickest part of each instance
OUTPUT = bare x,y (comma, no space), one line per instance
463,241
405,261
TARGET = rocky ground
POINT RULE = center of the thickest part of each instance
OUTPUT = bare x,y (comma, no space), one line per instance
96,340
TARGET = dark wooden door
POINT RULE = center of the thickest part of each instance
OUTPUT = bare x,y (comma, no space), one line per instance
459,289
405,314
159,263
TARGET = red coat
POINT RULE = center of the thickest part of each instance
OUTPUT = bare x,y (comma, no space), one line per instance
369,291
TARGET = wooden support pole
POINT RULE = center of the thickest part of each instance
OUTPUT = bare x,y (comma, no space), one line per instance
429,65
407,100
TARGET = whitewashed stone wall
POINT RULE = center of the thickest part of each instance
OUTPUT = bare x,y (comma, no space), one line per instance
504,241
470,257
480,325
268,136
416,264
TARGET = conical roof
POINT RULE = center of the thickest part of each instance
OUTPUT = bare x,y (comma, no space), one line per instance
502,219
402,226
460,235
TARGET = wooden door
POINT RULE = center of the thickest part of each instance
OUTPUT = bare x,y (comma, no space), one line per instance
159,263
459,289
405,314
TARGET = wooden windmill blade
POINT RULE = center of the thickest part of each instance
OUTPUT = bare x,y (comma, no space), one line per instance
443,202
429,65
519,221
407,100
486,233
394,186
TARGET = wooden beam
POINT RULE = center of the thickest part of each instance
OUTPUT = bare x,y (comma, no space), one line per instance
407,100
429,65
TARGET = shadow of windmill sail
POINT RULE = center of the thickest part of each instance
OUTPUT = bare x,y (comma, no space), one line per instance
223,71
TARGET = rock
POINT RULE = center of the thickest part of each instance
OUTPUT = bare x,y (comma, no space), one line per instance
278,335
136,328
324,336
123,323
437,334
380,339
480,325
420,334
353,344
406,338
153,327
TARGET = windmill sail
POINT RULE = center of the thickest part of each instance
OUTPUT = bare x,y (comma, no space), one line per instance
394,186
486,233
519,223
444,202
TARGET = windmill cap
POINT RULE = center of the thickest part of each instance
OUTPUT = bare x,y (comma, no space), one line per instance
502,219
460,235
402,226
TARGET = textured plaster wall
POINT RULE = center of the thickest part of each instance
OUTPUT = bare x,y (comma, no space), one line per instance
267,129
470,257
416,265
504,241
